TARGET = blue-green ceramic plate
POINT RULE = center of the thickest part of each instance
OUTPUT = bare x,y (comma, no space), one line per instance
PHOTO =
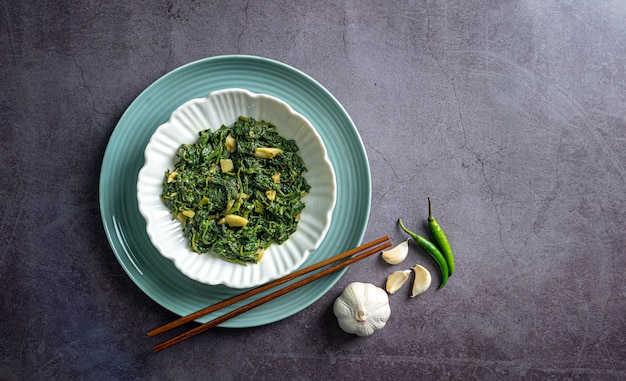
126,229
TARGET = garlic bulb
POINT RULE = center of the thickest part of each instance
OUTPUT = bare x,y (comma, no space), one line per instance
421,282
396,280
397,253
362,309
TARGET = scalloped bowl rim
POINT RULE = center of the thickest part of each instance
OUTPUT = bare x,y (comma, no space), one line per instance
181,254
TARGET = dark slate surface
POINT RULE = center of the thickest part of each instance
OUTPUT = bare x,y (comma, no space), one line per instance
510,114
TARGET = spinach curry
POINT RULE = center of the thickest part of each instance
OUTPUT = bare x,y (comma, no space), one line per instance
237,190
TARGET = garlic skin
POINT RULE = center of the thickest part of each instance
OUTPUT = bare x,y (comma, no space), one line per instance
362,309
396,254
396,280
422,280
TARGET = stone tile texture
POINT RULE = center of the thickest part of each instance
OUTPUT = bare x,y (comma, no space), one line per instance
511,115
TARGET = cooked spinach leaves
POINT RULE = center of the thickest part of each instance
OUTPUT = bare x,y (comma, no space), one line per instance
236,190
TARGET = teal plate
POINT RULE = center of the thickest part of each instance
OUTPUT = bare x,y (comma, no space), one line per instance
126,229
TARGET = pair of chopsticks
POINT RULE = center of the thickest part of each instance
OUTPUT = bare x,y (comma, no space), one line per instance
370,248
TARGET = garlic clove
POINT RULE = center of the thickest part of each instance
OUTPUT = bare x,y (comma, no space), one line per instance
267,152
234,220
396,280
226,165
231,144
422,280
396,254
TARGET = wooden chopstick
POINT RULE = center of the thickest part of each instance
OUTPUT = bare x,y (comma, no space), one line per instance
374,247
265,287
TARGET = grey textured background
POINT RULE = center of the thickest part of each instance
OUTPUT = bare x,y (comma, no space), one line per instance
510,114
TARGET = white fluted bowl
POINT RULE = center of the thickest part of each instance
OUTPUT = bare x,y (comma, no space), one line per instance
219,108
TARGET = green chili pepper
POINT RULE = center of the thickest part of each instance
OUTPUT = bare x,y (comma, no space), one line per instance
440,239
432,250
